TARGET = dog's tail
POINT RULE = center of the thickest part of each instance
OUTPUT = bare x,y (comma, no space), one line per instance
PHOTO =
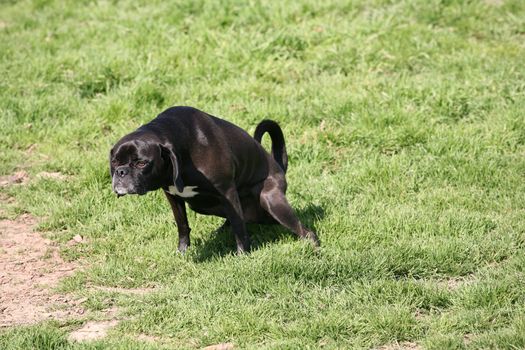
278,145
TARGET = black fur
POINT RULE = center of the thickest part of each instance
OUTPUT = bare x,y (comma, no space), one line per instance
185,150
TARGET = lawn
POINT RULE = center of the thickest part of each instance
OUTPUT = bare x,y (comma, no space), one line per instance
405,128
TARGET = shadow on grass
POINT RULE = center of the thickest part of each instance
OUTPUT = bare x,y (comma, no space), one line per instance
222,242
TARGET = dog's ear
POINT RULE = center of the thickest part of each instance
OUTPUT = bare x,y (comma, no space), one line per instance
170,153
111,169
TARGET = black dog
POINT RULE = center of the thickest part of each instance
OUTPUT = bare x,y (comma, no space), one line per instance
213,165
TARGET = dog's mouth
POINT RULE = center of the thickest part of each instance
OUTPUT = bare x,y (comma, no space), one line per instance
121,192
123,187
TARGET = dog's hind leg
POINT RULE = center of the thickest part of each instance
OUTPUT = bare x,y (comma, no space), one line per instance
179,212
235,217
274,202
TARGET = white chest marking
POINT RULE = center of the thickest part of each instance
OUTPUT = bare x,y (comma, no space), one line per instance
187,191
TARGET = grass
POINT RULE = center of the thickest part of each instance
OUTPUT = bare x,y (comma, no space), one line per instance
405,129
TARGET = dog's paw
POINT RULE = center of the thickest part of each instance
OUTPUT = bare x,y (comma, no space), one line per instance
183,246
313,238
243,248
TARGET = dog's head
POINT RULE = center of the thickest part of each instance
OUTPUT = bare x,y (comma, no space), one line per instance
140,164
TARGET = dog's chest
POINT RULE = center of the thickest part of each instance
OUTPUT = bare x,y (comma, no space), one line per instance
187,191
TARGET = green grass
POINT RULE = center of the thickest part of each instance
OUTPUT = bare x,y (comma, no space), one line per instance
405,128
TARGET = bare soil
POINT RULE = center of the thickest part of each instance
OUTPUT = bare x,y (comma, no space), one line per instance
92,330
30,266
20,177
406,345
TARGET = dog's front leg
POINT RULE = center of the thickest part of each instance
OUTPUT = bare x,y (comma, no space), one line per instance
235,215
179,212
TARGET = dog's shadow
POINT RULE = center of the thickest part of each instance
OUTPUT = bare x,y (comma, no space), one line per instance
221,242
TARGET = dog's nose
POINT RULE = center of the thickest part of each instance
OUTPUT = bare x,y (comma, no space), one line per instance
123,171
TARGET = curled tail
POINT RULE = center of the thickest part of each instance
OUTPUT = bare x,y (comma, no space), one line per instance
278,145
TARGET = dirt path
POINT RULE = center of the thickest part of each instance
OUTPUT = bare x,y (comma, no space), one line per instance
30,266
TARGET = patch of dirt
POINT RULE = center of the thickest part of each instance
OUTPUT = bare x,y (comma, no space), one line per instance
148,338
467,338
406,345
29,266
4,198
92,330
420,314
52,175
20,177
77,239
455,283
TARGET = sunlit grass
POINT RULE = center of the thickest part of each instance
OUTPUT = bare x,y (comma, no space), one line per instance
405,131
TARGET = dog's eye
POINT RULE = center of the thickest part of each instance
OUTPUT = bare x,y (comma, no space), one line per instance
114,163
140,164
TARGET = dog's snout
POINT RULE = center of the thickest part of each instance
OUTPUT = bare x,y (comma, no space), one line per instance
122,171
